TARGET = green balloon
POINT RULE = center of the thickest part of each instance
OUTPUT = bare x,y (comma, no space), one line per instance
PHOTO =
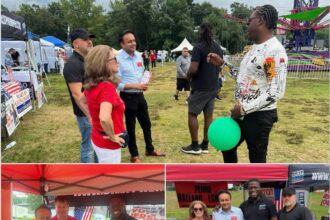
224,133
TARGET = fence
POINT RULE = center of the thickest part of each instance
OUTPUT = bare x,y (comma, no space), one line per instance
316,68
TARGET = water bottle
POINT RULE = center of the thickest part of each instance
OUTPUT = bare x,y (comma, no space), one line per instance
10,145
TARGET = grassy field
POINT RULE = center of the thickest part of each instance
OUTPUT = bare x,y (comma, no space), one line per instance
173,210
50,134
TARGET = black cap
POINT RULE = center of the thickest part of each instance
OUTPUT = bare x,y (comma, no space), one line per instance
289,191
80,33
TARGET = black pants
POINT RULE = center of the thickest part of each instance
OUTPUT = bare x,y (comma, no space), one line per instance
153,64
136,107
255,130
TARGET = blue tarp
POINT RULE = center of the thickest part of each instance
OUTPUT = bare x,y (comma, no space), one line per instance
57,42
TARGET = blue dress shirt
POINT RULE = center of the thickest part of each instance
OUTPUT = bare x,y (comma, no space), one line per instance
230,215
130,70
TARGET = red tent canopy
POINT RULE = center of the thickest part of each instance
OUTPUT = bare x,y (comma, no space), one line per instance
226,172
71,179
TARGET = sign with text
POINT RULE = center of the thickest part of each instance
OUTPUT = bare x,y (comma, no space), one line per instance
147,213
12,119
205,191
22,102
326,198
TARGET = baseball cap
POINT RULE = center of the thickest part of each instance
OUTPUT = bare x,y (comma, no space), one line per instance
80,33
289,191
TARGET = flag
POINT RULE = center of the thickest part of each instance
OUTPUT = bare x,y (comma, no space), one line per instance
11,87
278,199
84,212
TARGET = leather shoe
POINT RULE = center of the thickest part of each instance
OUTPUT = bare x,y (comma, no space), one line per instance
156,153
135,160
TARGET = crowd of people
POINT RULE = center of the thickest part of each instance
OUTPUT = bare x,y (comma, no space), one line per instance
257,206
116,207
260,84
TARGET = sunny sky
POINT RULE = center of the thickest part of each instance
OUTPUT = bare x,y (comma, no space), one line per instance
283,6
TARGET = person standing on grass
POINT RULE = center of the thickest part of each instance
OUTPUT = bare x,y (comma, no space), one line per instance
225,210
261,82
104,104
62,209
182,67
153,58
74,76
131,91
145,57
258,206
292,210
204,88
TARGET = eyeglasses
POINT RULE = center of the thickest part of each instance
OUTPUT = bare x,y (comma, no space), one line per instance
198,209
114,58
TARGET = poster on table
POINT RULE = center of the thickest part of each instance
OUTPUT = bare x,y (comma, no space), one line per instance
147,213
12,119
22,101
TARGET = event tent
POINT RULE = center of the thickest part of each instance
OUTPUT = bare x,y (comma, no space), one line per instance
138,184
226,172
57,42
12,27
184,43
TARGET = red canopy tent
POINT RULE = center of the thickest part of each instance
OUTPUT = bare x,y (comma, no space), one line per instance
143,183
203,181
226,172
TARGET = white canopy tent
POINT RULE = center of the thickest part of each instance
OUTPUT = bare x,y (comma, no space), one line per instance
184,43
48,53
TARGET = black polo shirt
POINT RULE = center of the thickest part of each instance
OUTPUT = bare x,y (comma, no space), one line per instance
74,72
206,78
297,213
263,209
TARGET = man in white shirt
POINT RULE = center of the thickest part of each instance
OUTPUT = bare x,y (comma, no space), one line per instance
260,84
226,211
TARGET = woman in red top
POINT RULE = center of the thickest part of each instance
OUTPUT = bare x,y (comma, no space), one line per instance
153,58
105,106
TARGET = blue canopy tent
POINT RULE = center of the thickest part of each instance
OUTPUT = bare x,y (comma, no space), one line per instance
57,42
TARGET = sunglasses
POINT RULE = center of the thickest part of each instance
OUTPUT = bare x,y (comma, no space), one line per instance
114,58
198,209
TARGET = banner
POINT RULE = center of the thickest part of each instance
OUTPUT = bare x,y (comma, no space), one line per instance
207,192
309,176
40,94
326,198
22,101
12,119
147,213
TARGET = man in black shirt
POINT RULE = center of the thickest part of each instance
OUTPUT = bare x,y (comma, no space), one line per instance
118,209
74,77
292,210
204,88
257,207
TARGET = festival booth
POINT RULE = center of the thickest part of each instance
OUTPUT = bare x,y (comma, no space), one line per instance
184,43
84,184
309,178
54,40
204,181
15,98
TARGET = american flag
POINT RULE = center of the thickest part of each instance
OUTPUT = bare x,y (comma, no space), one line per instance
278,199
84,212
11,87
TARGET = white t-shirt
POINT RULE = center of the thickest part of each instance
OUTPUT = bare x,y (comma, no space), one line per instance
262,76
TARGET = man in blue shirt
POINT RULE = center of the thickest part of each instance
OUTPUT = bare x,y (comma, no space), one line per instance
226,211
131,70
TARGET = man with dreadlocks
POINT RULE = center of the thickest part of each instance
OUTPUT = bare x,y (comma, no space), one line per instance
204,88
260,83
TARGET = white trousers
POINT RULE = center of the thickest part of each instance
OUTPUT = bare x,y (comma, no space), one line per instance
107,155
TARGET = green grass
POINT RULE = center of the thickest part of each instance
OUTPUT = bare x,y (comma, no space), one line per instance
50,134
173,210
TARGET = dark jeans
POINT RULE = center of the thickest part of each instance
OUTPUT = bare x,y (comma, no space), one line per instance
255,130
136,107
153,64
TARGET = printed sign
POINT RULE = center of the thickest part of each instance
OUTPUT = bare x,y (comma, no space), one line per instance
207,192
147,213
326,198
22,102
12,119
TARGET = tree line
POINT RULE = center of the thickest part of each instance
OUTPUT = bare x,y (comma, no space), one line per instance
158,24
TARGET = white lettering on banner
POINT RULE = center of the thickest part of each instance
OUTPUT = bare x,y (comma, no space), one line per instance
22,102
297,176
320,176
10,22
